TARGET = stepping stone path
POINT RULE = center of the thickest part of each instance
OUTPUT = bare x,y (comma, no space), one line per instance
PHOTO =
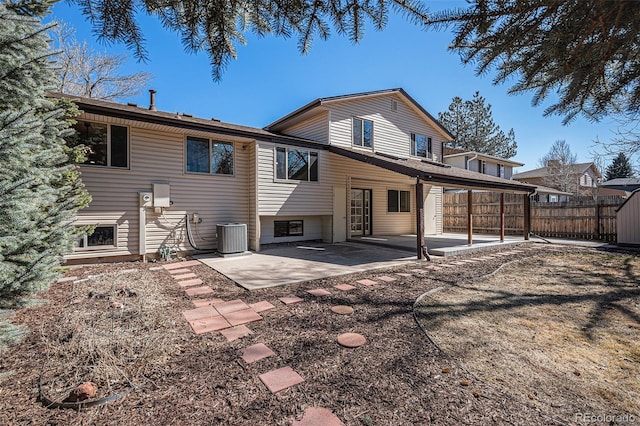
402,274
319,292
190,283
198,291
290,300
281,379
261,306
342,309
236,332
179,271
367,282
387,279
345,287
256,352
351,340
318,416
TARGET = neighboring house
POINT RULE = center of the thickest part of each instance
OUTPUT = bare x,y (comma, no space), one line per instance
576,179
481,163
337,168
620,186
550,195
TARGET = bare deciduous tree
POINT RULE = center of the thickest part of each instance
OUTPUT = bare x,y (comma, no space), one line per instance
84,72
560,161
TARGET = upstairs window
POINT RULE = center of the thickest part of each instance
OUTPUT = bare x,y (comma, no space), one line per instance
421,146
210,157
398,201
107,144
296,164
362,133
483,167
500,170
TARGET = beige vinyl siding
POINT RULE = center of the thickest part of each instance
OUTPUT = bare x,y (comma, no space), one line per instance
315,128
628,220
457,162
312,229
391,129
292,198
436,191
157,155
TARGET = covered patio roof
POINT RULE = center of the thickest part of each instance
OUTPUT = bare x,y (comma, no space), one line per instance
438,173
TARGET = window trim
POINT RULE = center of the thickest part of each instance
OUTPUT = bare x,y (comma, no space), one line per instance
211,141
501,170
108,165
288,222
353,144
413,151
399,191
286,179
85,236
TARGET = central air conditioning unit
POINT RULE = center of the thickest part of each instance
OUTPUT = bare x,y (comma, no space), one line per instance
232,238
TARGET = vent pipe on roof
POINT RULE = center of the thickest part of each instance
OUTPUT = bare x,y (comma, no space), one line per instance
152,100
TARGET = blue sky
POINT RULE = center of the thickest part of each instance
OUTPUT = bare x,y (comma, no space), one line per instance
271,78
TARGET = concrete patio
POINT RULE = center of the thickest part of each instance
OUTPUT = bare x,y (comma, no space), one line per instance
287,264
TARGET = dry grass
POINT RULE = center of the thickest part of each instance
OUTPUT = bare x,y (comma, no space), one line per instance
560,331
114,331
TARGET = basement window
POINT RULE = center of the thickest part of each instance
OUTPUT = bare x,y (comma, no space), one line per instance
288,228
101,237
107,144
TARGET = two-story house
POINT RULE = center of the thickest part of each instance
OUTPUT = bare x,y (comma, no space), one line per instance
337,168
576,179
479,162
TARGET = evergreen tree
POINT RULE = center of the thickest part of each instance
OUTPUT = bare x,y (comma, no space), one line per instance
40,190
620,167
218,26
471,123
583,51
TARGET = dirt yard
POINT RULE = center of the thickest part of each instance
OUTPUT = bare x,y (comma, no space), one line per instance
558,331
121,327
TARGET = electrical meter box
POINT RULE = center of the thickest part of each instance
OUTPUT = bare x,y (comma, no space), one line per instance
161,195
145,198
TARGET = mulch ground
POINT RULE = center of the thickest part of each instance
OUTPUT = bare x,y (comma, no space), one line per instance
398,377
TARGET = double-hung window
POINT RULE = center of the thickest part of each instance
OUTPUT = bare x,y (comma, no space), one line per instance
398,201
107,144
209,156
421,146
362,132
483,167
501,170
296,164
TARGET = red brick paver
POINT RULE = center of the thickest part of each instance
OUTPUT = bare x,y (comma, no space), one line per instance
342,309
231,306
184,276
256,352
281,379
345,287
319,292
236,332
367,282
318,416
206,325
197,291
204,302
179,271
290,300
190,283
262,306
403,274
200,313
386,279
178,265
244,316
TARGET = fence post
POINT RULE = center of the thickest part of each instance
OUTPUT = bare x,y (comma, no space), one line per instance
527,216
469,217
597,207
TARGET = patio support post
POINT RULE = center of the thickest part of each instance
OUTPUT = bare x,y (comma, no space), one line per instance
501,216
420,246
527,216
469,217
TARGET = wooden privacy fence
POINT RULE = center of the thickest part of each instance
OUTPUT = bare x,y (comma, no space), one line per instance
582,218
